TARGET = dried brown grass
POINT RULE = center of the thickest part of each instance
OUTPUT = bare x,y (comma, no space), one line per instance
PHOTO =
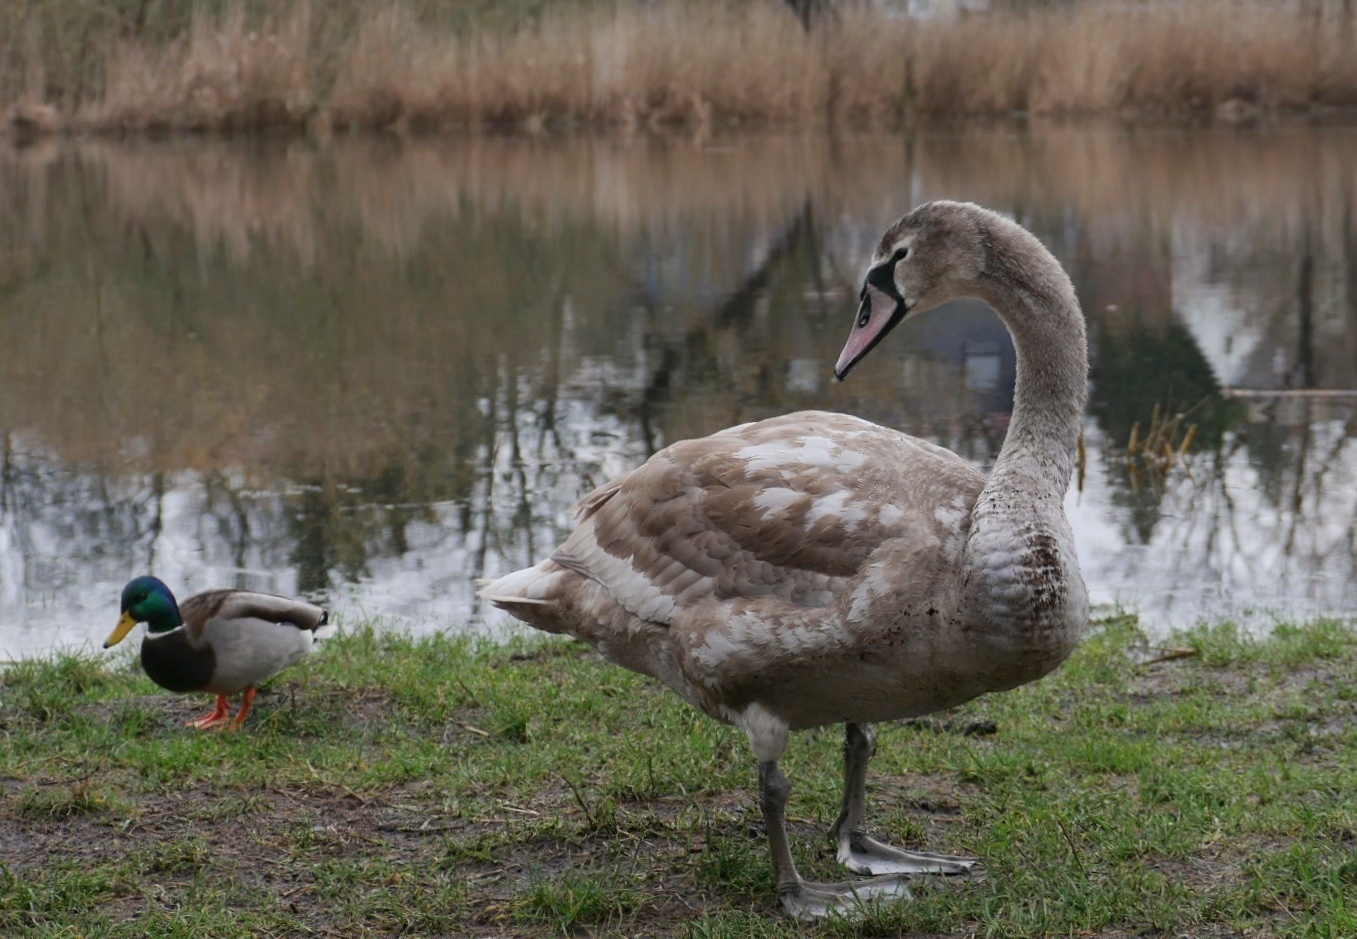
671,63
221,75
700,63
1157,58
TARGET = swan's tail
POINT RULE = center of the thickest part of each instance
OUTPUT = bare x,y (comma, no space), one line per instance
527,595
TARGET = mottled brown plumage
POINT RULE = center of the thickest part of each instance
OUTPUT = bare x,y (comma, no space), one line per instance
816,568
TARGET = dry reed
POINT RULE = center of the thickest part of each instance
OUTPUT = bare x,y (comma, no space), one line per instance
1161,447
672,62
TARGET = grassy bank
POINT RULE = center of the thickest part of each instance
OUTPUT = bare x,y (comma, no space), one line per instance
419,65
432,787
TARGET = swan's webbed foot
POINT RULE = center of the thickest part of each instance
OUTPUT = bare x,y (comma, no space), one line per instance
864,855
805,901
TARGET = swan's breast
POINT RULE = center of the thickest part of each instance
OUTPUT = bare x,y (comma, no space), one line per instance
1026,593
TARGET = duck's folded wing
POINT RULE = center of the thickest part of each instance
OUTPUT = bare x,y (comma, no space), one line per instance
245,604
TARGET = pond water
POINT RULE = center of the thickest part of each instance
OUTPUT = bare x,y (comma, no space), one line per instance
371,372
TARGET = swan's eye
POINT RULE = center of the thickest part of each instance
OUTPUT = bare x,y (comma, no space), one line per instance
899,255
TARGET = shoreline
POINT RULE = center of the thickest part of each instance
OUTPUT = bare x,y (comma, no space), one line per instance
20,129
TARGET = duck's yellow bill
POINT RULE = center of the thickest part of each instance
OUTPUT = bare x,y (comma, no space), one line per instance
125,625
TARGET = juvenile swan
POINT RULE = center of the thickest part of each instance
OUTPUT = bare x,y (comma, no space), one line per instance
818,569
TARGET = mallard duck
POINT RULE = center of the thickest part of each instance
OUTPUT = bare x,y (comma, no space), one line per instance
218,641
818,569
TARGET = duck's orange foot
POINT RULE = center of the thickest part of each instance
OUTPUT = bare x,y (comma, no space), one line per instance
245,703
215,719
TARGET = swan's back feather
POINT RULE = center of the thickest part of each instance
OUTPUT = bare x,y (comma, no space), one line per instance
791,508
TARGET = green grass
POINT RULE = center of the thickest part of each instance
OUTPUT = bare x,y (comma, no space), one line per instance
401,786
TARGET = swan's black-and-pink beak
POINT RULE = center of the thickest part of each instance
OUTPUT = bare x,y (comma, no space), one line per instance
878,313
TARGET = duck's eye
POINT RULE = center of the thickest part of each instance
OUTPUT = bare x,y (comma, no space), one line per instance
900,255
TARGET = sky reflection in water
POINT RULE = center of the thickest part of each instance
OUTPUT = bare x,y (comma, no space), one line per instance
373,372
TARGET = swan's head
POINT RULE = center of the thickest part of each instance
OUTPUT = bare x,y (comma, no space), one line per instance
934,254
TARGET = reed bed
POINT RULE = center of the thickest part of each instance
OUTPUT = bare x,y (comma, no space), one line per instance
389,64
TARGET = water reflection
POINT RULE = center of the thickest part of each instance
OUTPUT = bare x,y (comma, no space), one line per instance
374,371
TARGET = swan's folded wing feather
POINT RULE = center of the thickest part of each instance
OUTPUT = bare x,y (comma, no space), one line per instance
790,508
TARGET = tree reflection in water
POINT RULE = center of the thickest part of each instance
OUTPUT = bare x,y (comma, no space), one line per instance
377,371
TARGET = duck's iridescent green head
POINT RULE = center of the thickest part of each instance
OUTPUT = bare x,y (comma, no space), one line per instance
145,600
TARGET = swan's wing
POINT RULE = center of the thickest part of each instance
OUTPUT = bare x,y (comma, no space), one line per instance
791,508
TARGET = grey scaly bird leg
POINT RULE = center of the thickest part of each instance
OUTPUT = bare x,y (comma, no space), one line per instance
864,855
802,899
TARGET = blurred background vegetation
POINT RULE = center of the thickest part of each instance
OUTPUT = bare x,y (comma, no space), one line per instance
425,64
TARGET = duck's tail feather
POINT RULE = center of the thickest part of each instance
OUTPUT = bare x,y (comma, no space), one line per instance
324,629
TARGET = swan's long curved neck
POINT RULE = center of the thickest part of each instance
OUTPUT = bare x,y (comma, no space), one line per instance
1039,307
1020,579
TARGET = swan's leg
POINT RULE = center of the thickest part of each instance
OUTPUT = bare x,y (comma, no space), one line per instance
801,899
864,855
